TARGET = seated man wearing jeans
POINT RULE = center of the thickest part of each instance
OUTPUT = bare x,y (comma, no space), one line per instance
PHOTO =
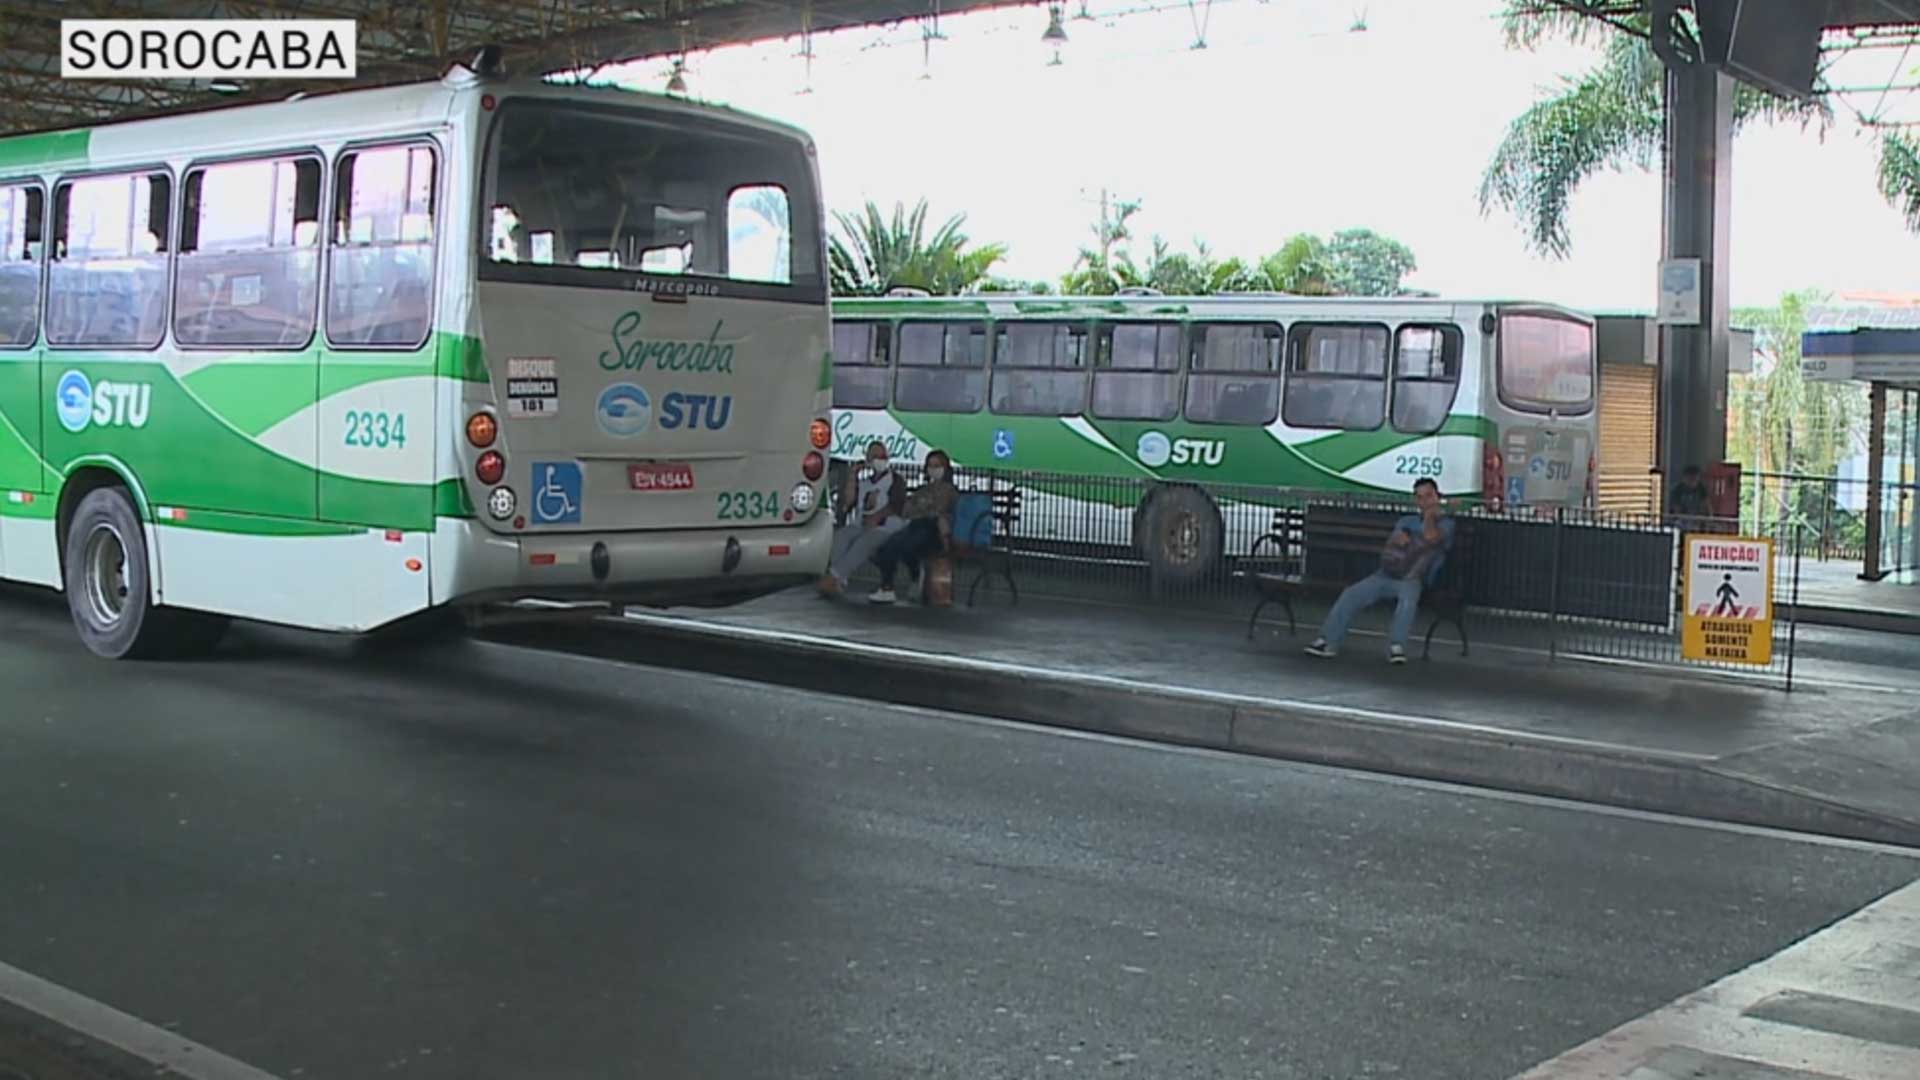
1410,562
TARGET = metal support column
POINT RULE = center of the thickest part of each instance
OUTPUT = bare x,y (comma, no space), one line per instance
1698,198
1876,473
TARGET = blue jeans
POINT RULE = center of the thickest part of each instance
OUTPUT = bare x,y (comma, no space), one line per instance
1368,591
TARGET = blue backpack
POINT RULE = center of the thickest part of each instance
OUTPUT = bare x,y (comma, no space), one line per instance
973,520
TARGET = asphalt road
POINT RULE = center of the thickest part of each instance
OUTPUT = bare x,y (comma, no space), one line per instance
347,860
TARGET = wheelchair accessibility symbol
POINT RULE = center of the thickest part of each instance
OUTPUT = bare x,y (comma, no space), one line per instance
556,492
1002,444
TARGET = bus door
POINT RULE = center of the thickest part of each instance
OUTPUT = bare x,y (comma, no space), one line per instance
376,425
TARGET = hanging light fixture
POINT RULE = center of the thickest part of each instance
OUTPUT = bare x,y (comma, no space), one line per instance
806,46
1056,34
677,82
1085,15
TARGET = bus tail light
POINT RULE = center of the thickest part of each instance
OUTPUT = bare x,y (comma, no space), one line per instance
801,498
482,429
819,434
813,465
491,467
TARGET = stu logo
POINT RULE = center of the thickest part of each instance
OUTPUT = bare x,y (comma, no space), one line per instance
690,411
79,402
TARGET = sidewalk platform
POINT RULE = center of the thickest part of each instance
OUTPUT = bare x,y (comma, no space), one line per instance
1842,759
1832,594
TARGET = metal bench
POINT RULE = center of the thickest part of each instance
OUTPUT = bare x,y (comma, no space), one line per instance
1322,549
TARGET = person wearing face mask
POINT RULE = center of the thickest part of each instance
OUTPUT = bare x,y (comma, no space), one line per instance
929,528
875,509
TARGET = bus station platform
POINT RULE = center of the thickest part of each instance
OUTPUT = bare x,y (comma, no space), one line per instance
1839,755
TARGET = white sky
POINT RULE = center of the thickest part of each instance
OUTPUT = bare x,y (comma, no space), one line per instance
1287,122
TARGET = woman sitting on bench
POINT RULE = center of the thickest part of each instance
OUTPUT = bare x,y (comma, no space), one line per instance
929,514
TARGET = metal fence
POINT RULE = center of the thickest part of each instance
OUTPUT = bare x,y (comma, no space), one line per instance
1571,582
1831,512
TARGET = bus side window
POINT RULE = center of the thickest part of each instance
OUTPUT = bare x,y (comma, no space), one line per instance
22,224
861,360
1039,369
1234,373
1136,372
942,367
1336,376
1426,377
249,266
107,284
380,288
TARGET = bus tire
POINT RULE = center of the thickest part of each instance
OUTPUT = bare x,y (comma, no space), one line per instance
1182,538
108,577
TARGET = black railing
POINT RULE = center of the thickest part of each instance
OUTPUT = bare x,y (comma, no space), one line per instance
1577,582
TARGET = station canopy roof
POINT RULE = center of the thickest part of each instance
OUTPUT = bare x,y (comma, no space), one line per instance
1863,338
407,40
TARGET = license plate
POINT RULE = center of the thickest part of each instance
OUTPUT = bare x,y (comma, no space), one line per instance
664,476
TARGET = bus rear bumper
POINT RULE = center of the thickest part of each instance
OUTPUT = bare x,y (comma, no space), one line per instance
695,567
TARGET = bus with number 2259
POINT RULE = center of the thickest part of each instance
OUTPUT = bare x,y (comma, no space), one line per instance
333,361
1494,401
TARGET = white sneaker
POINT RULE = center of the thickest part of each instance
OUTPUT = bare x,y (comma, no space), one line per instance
1396,655
880,596
1321,649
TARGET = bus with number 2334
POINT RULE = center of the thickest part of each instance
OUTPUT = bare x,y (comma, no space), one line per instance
333,361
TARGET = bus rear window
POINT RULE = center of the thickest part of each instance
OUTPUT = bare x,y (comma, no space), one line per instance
581,194
1546,363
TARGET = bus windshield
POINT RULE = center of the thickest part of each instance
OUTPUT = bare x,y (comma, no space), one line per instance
578,193
1546,362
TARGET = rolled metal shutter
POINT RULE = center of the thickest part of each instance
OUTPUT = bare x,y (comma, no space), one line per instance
1629,411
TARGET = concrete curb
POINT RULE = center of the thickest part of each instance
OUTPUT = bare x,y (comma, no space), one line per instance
1426,748
1880,622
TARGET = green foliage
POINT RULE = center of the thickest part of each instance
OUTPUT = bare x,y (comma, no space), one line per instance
1099,271
1354,262
872,253
1778,421
1361,262
1300,267
1610,118
1900,175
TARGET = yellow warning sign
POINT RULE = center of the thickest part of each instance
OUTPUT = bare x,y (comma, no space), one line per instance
1728,586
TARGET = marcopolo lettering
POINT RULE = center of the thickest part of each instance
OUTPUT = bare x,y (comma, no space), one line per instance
632,352
198,48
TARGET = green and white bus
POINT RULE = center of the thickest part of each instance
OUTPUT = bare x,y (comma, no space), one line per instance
331,361
1495,401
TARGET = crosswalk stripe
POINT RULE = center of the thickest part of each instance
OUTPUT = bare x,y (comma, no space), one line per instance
1841,1004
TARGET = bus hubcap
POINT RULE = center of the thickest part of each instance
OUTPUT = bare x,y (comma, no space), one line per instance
106,566
1182,538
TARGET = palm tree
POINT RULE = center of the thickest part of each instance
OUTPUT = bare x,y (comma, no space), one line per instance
1612,117
1099,270
873,253
1300,267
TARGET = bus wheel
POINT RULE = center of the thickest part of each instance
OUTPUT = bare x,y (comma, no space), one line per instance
1182,538
109,594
